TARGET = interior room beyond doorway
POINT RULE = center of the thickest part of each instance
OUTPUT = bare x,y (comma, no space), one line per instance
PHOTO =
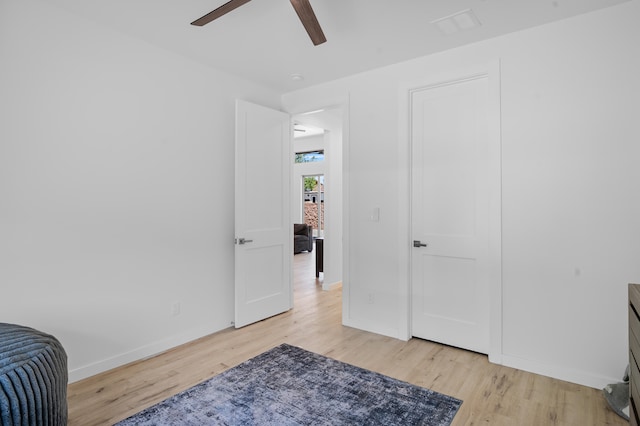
317,185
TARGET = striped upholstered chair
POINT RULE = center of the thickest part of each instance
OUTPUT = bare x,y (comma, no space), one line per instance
33,378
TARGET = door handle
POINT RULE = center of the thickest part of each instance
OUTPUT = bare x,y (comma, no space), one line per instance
241,241
418,243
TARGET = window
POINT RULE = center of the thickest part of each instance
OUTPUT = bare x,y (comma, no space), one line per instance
310,156
313,203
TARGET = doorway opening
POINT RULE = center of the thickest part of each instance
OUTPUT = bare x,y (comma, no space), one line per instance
317,187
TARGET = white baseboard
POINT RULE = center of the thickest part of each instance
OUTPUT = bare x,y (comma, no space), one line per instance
579,377
385,331
138,354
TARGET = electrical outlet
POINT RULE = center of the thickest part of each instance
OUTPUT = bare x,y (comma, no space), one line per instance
374,214
175,309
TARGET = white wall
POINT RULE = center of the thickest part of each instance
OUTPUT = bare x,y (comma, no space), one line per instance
333,244
570,206
115,200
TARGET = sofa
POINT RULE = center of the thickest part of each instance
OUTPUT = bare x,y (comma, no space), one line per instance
302,238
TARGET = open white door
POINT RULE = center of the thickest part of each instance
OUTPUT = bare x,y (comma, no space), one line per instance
263,231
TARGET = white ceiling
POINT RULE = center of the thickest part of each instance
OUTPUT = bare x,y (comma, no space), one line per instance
264,41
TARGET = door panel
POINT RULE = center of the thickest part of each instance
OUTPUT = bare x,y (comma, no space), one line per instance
449,278
450,289
263,249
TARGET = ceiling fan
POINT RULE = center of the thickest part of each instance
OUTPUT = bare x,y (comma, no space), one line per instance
302,7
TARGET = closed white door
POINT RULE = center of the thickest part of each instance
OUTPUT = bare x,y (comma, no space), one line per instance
263,230
450,208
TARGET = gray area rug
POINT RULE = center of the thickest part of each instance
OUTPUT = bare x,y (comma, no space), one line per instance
291,386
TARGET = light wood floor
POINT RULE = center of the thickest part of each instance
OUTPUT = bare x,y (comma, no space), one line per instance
492,394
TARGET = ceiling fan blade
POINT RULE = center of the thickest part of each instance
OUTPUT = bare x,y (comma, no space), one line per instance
309,20
222,10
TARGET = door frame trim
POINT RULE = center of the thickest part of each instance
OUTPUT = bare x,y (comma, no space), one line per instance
339,100
491,70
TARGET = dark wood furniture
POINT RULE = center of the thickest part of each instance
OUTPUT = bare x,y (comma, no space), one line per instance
634,353
319,256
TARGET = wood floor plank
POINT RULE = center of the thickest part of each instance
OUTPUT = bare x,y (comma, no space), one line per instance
492,394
